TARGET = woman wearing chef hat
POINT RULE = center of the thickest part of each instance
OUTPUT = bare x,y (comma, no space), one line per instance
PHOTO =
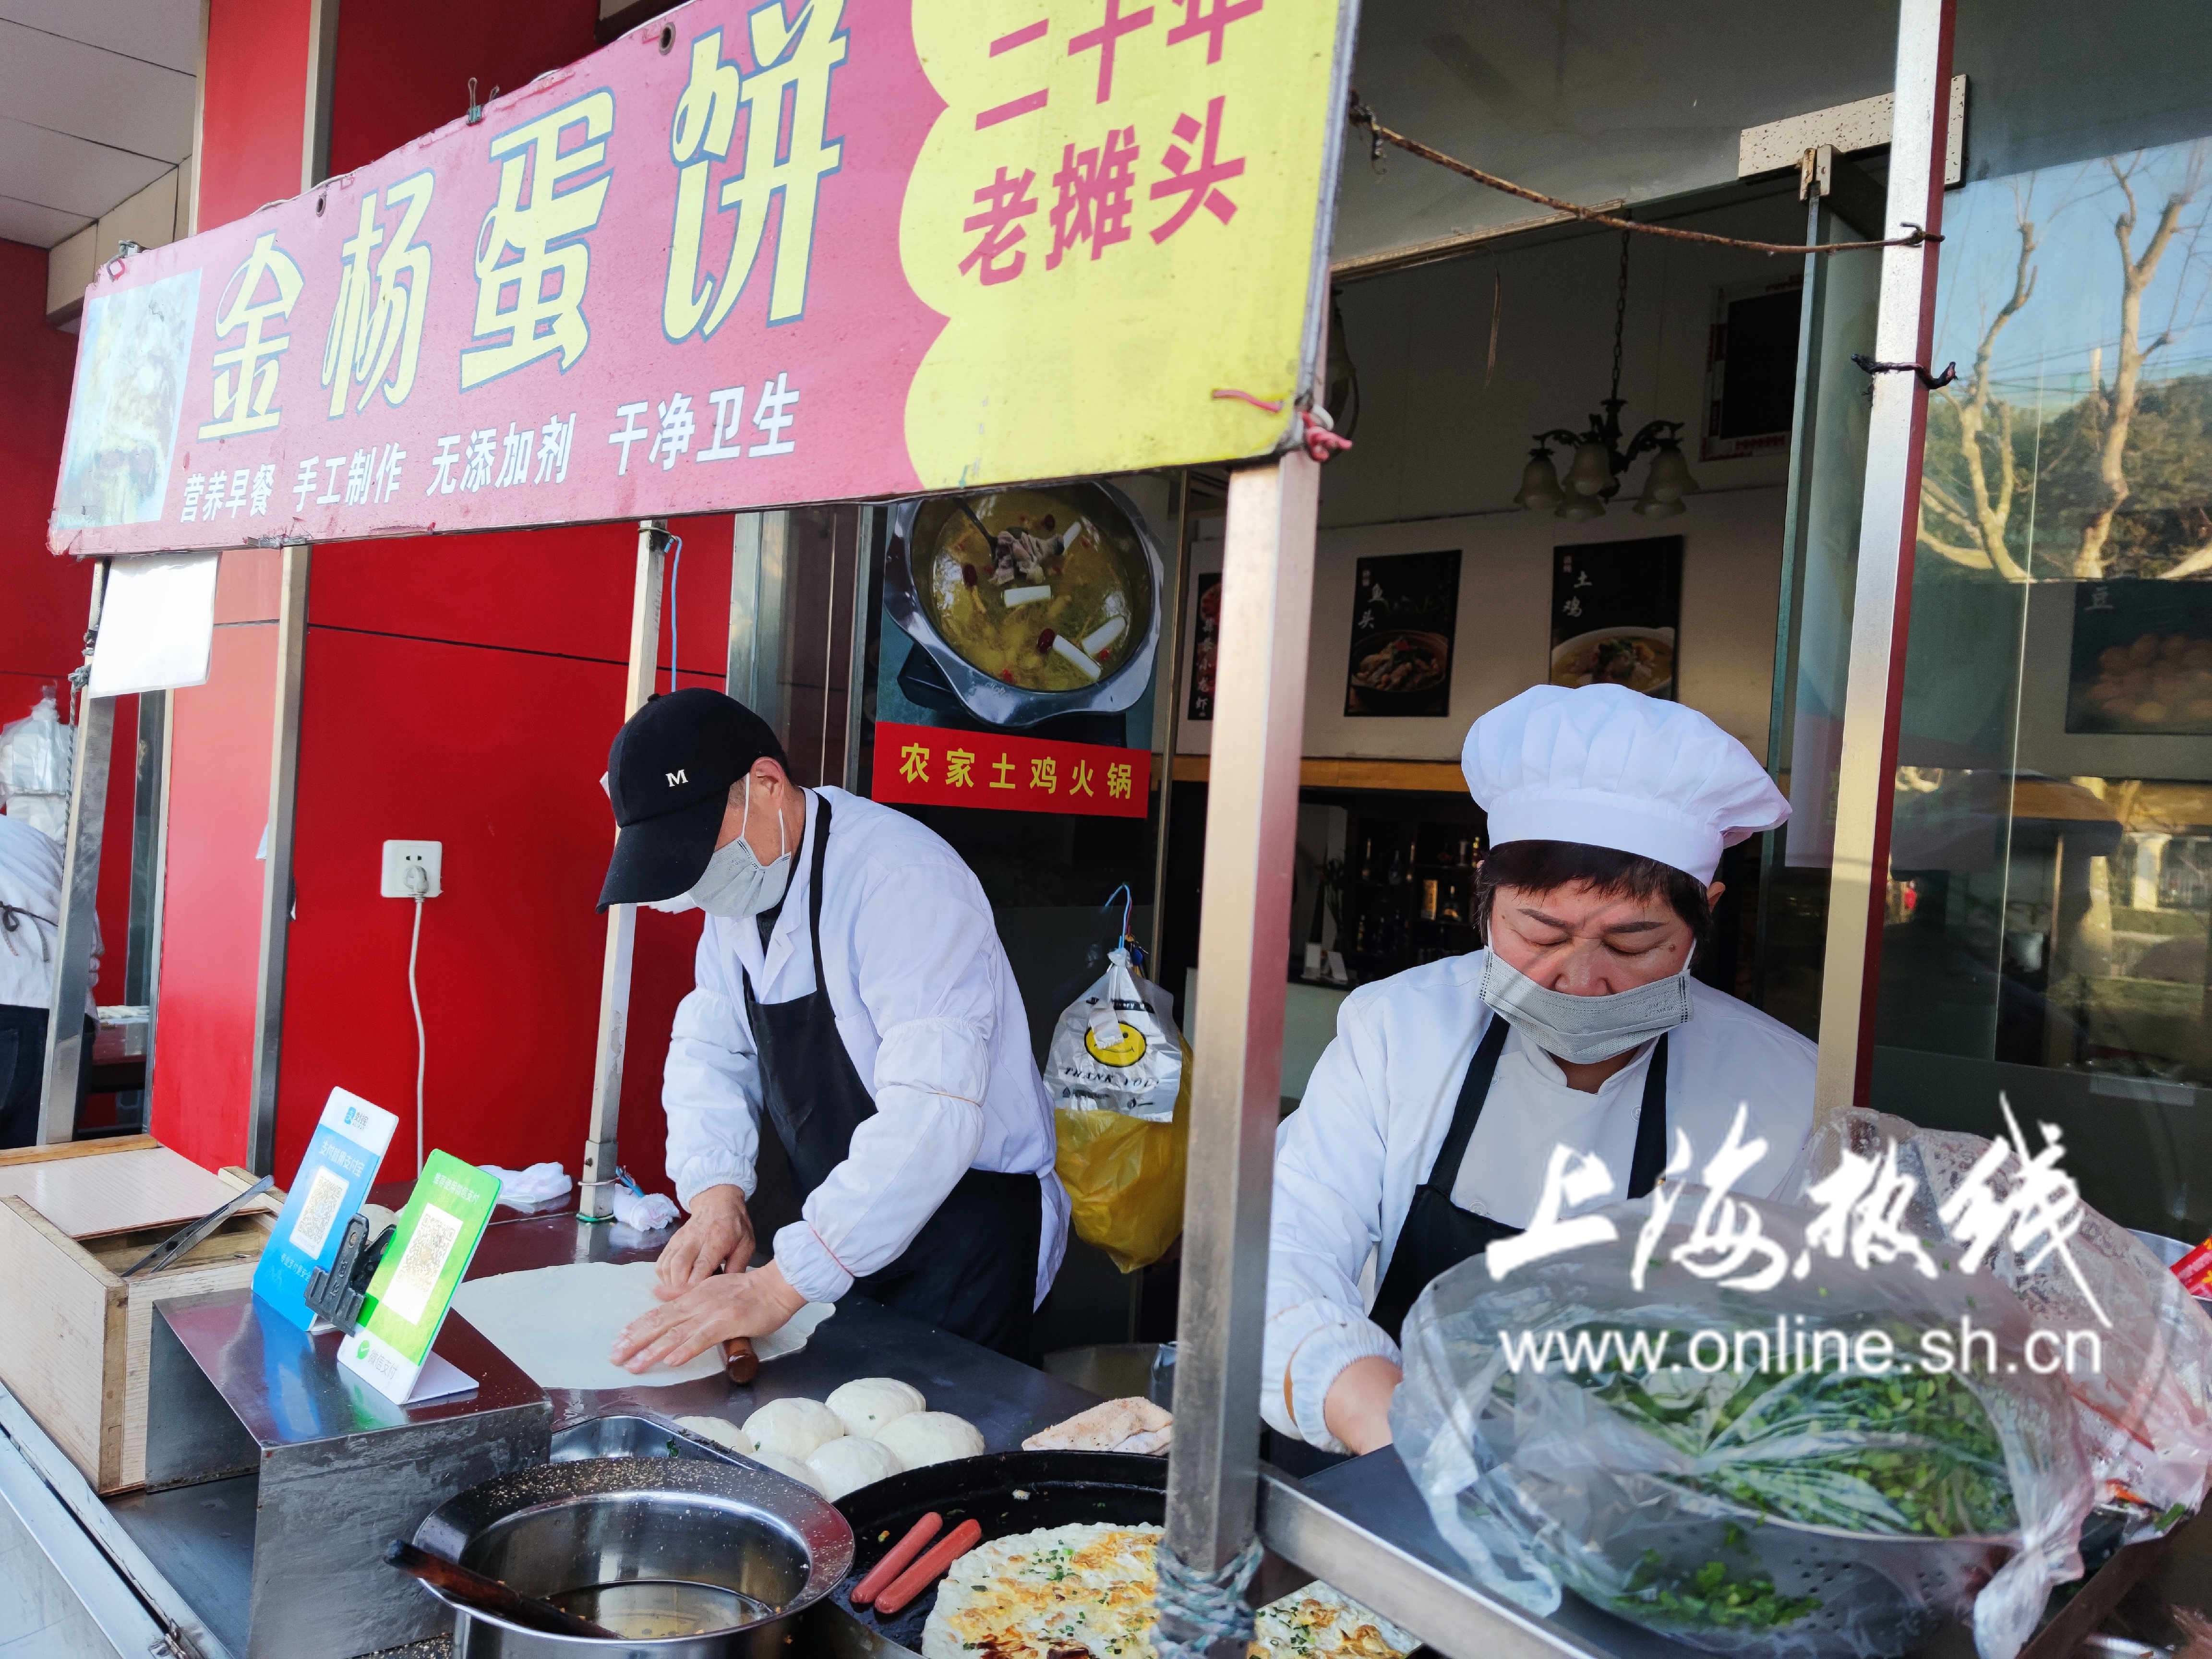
1428,1125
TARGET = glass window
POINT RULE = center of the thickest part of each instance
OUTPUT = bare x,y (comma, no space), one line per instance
2049,906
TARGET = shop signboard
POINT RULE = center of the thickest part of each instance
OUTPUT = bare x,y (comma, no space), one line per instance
743,255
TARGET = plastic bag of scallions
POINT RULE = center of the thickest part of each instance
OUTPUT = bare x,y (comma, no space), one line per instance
1835,1464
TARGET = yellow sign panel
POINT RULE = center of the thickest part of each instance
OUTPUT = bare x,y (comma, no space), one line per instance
1094,157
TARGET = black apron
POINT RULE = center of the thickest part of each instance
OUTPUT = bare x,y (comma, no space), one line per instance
972,1269
1439,1235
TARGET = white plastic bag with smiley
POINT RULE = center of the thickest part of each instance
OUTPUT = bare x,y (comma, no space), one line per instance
1116,1048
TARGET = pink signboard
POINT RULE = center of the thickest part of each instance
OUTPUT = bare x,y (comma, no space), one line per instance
744,257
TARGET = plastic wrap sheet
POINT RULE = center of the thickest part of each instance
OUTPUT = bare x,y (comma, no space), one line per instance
2145,1413
1787,1510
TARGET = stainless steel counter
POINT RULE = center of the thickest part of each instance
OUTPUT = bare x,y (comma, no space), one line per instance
196,1542
1361,1525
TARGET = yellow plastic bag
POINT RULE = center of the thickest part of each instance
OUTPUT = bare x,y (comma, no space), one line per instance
1124,1178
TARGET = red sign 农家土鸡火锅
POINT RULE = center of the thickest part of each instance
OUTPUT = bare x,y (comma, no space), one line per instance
936,766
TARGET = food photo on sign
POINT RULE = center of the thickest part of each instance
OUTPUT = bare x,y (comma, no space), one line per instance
1616,608
1405,612
1020,632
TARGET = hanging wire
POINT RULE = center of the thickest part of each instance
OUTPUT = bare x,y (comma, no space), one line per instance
1619,315
1361,115
1129,940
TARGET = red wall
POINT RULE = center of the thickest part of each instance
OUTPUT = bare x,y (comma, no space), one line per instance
254,106
403,65
460,689
42,599
254,109
464,690
42,617
220,737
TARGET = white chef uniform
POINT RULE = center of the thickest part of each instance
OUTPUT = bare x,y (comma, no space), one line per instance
931,1017
1604,766
31,886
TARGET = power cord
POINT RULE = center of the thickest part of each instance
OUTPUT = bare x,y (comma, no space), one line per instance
418,884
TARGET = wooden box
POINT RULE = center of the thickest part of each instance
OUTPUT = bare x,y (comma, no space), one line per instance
74,1334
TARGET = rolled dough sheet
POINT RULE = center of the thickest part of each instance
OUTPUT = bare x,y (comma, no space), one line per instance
558,1323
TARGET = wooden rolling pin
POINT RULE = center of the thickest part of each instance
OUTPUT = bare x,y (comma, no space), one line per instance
482,1594
739,1363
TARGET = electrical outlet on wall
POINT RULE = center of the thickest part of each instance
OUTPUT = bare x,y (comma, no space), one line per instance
413,869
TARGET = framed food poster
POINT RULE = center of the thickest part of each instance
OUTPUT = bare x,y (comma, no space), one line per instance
2141,660
1204,647
1616,609
1405,612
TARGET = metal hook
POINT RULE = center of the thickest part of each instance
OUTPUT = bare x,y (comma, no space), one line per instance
1360,115
1933,382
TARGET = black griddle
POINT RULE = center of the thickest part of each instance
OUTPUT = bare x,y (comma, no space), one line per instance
1062,1488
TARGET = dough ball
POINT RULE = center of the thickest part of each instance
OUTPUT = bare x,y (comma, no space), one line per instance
792,1428
789,1467
919,1438
850,1462
867,1403
720,1430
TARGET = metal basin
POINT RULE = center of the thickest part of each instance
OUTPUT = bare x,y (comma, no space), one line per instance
685,1558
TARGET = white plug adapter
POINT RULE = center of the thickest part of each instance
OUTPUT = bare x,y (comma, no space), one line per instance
413,869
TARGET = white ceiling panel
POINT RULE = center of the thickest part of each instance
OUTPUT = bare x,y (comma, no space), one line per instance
35,226
67,87
70,174
164,32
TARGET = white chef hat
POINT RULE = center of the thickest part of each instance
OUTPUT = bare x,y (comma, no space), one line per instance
1608,767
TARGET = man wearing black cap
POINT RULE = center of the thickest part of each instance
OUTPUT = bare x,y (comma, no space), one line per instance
850,987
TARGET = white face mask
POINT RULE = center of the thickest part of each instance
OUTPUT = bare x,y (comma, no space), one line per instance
736,882
1582,1030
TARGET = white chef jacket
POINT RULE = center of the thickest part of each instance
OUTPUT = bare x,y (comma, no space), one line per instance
1374,1115
929,1014
31,882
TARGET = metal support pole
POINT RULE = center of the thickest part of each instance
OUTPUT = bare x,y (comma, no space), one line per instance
67,1053
1888,533
595,1199
276,872
322,79
856,667
759,559
1251,829
1167,720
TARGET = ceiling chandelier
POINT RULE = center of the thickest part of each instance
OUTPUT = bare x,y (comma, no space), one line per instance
1599,458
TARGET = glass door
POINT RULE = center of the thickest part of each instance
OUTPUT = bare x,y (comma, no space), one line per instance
2047,906
1827,474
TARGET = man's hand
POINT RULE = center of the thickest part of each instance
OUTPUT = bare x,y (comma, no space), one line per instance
727,1306
719,1233
1357,1407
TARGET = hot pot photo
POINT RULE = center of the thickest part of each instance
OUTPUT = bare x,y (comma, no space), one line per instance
1030,603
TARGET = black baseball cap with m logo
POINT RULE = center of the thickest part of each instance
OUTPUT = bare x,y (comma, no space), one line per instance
668,776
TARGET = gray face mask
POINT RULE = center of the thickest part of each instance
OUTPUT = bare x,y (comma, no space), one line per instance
736,882
1585,1029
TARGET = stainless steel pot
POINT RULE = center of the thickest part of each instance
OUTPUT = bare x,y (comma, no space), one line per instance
993,700
688,1560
